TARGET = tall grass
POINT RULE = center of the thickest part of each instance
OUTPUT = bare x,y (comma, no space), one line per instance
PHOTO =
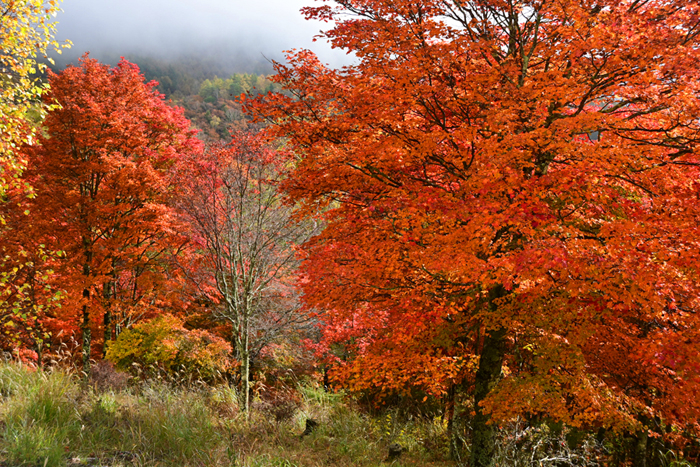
50,418
157,424
40,415
53,418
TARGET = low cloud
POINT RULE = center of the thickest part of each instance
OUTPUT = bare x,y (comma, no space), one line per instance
247,33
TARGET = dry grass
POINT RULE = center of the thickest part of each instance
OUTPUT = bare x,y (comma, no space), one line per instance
54,418
51,418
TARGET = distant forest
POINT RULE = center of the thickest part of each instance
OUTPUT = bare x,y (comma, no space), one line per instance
205,87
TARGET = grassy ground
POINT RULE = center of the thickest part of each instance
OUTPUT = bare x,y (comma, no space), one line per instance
51,419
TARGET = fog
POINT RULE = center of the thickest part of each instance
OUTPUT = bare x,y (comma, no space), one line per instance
242,36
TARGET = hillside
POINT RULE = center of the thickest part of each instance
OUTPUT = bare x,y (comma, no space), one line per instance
206,87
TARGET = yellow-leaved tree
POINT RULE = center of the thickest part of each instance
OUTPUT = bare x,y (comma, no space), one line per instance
27,30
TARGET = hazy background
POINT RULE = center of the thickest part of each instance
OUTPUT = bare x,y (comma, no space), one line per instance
237,36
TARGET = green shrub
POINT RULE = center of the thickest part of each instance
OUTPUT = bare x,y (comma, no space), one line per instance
163,344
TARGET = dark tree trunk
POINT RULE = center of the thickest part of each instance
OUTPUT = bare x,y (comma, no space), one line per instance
487,376
108,330
450,416
87,333
85,319
641,442
108,295
85,322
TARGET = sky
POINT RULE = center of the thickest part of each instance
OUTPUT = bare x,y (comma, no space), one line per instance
246,30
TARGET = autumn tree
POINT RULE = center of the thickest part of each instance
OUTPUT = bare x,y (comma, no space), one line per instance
101,173
247,238
511,203
26,33
27,297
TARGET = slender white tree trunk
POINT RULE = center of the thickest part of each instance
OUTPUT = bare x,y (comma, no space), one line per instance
245,371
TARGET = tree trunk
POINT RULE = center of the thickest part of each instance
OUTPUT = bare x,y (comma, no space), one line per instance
108,295
450,416
245,375
640,448
39,354
487,376
85,323
241,342
108,330
118,325
87,333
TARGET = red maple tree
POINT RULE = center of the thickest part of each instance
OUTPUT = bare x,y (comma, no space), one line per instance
103,189
511,196
26,275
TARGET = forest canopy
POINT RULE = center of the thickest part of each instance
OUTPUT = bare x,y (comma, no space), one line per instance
490,217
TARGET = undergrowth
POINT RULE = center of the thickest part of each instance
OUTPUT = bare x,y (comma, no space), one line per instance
53,418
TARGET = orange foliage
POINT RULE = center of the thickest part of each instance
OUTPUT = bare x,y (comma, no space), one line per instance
526,170
103,194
